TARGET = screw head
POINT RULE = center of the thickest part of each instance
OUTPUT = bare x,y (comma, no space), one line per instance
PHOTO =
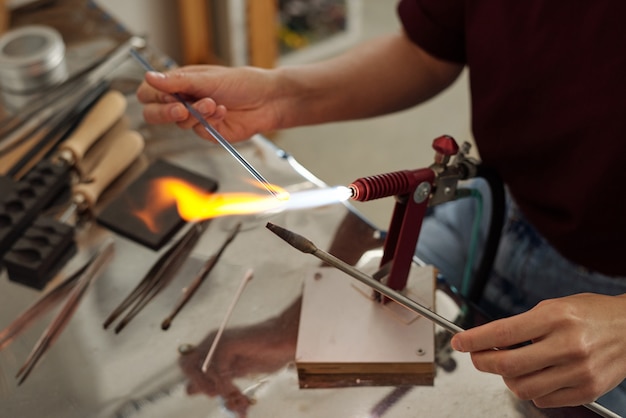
422,191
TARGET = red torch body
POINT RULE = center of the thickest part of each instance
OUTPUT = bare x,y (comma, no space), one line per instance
412,188
414,191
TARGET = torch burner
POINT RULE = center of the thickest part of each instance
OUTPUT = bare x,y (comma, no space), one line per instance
383,185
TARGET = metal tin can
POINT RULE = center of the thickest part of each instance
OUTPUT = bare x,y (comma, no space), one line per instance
31,57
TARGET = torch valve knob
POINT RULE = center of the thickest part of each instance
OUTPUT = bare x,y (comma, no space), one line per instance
445,147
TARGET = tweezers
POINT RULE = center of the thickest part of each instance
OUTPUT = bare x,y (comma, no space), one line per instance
158,277
74,287
199,278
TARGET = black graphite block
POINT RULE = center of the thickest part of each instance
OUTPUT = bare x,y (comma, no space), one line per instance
40,252
27,197
122,215
7,185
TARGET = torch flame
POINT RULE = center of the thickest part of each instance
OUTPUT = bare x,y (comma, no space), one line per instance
194,204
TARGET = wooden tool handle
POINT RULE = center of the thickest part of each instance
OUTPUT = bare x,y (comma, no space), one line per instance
123,150
94,154
100,117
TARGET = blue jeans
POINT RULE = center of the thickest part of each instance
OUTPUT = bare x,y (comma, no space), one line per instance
526,269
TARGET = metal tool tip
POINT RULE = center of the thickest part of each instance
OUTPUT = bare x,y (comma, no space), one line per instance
120,327
293,239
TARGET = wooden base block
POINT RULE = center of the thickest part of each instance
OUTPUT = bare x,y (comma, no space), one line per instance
346,338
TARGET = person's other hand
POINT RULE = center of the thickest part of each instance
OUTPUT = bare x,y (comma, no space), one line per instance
239,102
578,350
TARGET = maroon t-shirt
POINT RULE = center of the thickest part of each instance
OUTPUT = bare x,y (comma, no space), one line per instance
548,90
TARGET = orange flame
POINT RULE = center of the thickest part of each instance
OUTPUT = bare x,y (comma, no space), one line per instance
192,203
152,215
148,219
195,204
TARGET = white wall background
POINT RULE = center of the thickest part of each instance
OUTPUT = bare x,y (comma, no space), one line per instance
157,20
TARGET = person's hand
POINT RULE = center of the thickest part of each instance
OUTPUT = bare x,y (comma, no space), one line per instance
238,102
578,350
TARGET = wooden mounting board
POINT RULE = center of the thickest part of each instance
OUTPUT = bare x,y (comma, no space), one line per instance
347,339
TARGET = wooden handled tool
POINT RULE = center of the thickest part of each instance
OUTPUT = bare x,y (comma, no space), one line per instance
51,239
122,150
47,178
94,155
98,120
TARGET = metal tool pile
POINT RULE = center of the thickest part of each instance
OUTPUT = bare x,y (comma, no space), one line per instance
47,243
33,258
43,145
74,154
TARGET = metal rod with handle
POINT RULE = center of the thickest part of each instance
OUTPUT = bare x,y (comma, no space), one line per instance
211,130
